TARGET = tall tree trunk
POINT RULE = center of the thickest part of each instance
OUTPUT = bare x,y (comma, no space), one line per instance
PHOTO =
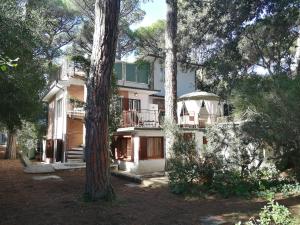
11,146
170,76
98,178
297,56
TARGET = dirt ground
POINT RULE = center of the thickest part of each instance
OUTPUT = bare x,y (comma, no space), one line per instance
26,201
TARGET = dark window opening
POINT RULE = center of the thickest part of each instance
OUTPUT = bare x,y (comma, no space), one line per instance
124,148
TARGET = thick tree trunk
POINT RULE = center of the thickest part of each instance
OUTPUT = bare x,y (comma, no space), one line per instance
11,146
170,76
98,179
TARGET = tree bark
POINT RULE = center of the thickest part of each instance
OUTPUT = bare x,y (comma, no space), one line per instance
170,76
98,178
11,146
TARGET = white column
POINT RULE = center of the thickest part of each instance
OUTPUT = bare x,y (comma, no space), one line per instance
136,148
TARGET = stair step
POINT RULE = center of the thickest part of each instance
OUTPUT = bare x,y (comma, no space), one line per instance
75,160
76,149
75,156
75,152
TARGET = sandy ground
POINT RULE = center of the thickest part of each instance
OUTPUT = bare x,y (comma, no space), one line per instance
30,199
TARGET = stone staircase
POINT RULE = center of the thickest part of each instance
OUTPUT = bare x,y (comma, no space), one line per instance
75,155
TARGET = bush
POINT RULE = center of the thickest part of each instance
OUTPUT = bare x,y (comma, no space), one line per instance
192,173
187,170
27,139
237,150
272,214
231,183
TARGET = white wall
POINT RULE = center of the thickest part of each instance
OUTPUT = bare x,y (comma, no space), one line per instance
185,80
142,96
143,166
151,165
60,126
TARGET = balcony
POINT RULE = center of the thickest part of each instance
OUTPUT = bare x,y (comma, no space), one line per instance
154,119
143,118
76,113
197,121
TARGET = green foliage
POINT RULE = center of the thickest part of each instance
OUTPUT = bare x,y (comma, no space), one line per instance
235,38
272,214
27,138
6,63
130,13
21,86
187,170
76,103
115,110
237,150
193,174
149,41
275,118
54,24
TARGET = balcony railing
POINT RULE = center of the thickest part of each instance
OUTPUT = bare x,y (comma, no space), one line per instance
76,113
154,119
200,121
141,118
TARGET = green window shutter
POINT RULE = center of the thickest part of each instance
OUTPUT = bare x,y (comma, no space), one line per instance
143,72
118,71
131,72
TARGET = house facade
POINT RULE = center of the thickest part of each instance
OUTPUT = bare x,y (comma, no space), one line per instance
138,144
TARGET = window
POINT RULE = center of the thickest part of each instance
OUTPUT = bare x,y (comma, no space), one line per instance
151,148
118,71
137,73
59,108
135,105
143,71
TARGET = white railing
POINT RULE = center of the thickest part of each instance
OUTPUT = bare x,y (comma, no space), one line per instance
76,112
140,118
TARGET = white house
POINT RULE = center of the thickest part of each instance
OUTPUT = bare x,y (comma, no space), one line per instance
139,142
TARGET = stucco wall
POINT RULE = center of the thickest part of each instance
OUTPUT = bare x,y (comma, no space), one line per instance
51,114
76,91
60,124
143,166
74,132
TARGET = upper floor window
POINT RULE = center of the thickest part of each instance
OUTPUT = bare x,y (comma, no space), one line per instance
138,73
118,71
59,108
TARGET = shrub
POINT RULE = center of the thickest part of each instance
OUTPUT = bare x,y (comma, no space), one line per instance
187,170
272,214
193,173
27,139
237,150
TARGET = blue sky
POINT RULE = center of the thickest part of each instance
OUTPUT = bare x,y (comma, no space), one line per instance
155,10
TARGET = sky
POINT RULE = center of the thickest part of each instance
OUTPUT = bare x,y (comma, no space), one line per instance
155,10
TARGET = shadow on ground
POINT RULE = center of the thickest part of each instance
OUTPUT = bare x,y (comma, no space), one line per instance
28,199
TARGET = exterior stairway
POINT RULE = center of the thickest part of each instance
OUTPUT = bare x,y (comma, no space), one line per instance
75,155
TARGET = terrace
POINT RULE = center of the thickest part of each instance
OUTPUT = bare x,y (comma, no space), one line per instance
142,118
